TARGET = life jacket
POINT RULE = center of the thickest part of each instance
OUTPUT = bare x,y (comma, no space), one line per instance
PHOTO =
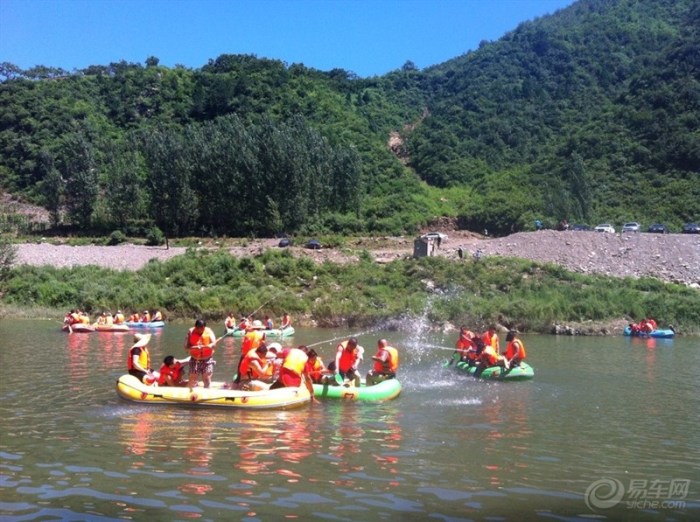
391,365
315,369
175,372
646,327
146,318
134,318
248,370
516,347
465,343
85,318
119,319
144,358
194,339
244,324
491,340
490,356
295,361
652,323
348,359
251,340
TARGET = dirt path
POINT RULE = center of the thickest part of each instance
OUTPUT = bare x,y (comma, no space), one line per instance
671,257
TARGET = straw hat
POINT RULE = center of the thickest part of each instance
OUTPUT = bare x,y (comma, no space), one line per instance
257,325
141,340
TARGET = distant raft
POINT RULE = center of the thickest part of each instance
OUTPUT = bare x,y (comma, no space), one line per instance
662,333
522,372
383,391
112,328
273,332
132,389
140,324
78,328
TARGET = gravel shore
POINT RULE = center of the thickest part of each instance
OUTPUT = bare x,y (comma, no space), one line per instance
670,257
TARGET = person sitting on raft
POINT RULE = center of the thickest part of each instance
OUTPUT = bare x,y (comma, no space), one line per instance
490,338
146,317
267,322
254,370
465,350
293,371
348,356
230,322
157,317
286,321
488,357
386,363
172,372
119,318
317,370
138,361
515,350
253,338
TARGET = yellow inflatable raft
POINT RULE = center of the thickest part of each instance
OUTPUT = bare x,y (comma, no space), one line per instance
132,389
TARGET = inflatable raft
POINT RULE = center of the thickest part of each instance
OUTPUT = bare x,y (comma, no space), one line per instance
662,333
152,324
274,332
78,328
132,389
384,391
113,328
522,372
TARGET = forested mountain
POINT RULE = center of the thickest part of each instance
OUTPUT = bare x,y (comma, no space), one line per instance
592,114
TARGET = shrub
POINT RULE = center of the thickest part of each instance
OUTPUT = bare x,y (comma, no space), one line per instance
116,238
155,237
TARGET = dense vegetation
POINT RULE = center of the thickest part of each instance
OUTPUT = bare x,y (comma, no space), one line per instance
591,114
210,284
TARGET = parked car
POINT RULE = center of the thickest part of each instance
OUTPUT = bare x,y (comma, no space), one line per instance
284,242
631,227
580,227
313,244
691,228
436,235
658,228
605,227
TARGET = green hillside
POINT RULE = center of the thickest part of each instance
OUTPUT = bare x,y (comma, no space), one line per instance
589,114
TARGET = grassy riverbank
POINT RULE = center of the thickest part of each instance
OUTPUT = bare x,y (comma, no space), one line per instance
512,292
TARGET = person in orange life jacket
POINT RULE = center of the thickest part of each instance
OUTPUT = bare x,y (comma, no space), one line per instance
146,317
245,323
317,370
386,363
253,338
230,322
200,342
267,322
102,319
273,371
138,361
171,372
286,321
489,357
465,350
348,356
515,350
119,318
253,370
294,371
134,318
490,338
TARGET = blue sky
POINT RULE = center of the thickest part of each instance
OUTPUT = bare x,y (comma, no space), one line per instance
367,37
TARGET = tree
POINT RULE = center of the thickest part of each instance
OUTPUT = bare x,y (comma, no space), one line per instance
80,172
52,186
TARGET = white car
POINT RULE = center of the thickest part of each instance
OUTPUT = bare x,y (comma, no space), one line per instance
436,235
605,227
631,227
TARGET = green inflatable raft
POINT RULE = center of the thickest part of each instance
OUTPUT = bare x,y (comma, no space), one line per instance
384,391
522,372
275,332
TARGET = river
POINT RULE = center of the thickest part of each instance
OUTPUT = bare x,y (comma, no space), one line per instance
608,429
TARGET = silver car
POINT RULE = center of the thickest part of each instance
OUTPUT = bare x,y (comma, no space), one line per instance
631,227
605,227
